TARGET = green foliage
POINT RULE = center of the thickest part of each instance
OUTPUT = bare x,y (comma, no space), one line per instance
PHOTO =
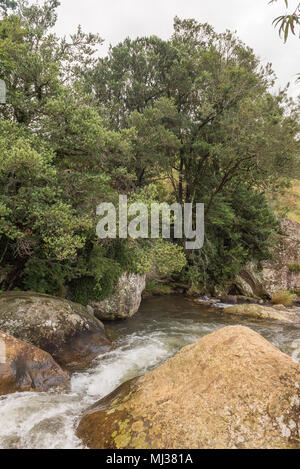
154,145
98,276
238,232
46,276
32,213
34,62
162,256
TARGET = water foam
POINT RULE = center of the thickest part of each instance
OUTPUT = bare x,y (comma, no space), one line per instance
48,420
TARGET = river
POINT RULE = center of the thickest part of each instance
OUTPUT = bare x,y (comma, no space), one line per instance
161,327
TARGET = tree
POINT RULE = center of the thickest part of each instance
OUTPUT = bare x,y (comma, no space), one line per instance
220,129
209,81
154,145
34,62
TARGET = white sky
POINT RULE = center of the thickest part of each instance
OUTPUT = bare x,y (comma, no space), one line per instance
252,19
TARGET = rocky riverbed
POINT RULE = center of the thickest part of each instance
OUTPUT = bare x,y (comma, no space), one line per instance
158,331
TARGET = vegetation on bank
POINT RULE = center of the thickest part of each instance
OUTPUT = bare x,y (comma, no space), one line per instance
190,119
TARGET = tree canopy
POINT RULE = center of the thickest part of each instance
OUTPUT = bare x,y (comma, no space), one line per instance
189,119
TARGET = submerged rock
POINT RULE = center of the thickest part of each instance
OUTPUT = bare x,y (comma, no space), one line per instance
248,299
279,307
262,312
64,329
229,299
231,389
24,367
125,302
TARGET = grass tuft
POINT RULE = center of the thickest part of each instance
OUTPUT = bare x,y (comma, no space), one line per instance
283,297
294,267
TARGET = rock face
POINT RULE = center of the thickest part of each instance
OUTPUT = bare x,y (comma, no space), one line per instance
276,274
125,302
262,312
24,367
231,389
64,329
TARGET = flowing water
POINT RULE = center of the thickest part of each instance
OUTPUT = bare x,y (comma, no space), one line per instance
162,326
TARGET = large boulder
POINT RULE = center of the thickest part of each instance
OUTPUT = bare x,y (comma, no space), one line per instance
231,389
126,300
64,329
24,367
262,312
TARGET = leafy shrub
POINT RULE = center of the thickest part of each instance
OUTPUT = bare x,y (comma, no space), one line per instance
163,256
97,275
46,276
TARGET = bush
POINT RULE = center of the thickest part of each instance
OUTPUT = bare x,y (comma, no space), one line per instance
283,297
97,276
294,267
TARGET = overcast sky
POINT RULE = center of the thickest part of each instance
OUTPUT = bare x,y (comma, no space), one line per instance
252,19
